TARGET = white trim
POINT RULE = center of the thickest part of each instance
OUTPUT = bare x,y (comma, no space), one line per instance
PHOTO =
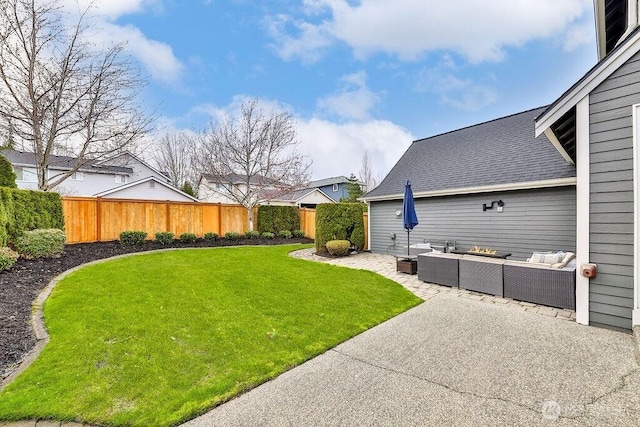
368,226
635,317
593,78
560,182
582,208
600,28
297,200
632,19
556,143
150,178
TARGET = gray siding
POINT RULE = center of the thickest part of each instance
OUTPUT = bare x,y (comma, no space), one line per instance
611,203
533,220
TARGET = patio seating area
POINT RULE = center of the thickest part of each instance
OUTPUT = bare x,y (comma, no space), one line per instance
523,281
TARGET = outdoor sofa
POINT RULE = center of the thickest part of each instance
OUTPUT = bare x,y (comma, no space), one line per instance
533,282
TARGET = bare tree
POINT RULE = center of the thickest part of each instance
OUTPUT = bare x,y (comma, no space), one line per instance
59,94
366,173
174,154
253,155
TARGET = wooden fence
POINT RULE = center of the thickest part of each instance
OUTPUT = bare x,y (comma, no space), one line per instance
90,219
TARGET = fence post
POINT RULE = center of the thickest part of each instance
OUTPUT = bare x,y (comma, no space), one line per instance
99,219
220,219
168,209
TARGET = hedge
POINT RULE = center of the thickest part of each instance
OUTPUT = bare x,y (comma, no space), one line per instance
25,210
339,221
274,219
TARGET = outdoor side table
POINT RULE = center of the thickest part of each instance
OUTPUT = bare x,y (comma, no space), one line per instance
407,264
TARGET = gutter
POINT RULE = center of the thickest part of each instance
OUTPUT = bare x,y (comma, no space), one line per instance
550,183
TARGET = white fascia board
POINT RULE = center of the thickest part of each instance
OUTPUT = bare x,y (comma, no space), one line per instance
556,143
582,209
635,316
603,70
560,182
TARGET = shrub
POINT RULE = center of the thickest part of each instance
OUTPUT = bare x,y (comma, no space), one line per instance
285,234
7,175
277,218
298,233
268,235
44,243
165,237
211,236
340,221
252,234
232,235
338,247
24,210
8,257
132,237
188,238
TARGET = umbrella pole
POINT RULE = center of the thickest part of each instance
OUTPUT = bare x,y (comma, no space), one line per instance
408,242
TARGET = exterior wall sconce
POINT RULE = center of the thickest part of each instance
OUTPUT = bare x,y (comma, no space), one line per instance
499,202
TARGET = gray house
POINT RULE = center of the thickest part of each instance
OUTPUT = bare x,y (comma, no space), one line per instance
456,174
567,175
334,187
596,125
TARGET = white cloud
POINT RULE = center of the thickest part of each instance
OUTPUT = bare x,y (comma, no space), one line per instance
157,57
478,30
354,100
460,93
337,148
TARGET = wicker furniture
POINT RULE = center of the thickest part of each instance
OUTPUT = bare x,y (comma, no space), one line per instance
441,269
540,284
481,274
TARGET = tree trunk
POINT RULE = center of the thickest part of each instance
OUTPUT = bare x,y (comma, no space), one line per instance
250,215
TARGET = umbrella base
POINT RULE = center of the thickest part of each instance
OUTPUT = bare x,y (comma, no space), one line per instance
407,265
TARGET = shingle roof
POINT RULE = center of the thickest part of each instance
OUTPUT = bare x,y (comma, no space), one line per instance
62,162
501,151
328,181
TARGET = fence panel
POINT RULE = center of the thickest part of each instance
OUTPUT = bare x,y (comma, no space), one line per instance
89,219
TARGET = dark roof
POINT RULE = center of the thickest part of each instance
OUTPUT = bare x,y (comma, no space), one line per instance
62,162
328,181
499,152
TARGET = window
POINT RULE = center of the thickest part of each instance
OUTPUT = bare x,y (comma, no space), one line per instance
335,187
24,174
76,176
122,179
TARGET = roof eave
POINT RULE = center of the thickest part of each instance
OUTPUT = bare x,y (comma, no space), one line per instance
549,183
588,83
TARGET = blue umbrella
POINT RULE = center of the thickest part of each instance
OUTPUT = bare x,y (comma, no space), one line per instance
409,217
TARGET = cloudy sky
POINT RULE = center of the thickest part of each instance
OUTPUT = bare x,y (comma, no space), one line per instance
356,74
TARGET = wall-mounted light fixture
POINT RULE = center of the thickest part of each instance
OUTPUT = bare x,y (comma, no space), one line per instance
499,202
398,213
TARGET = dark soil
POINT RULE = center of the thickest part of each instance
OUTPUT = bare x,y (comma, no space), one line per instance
20,286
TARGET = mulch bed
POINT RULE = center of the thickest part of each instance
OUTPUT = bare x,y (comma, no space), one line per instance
20,286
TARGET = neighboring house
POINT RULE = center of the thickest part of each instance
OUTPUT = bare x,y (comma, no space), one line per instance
305,198
214,189
585,197
454,174
336,188
149,188
97,178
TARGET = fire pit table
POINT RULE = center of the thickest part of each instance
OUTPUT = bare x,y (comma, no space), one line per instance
494,254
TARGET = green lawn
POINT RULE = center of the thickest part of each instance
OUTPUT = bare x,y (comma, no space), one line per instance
159,338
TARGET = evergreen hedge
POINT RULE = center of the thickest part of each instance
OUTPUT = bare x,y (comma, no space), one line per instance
24,210
7,175
274,219
339,221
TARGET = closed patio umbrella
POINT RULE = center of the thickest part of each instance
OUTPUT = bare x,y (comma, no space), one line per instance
409,217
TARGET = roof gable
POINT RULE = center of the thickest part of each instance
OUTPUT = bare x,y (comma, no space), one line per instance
592,79
503,152
142,181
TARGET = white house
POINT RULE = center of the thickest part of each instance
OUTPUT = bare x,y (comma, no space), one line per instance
305,198
122,176
220,189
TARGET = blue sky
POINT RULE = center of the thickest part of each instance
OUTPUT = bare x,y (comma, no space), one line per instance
357,75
